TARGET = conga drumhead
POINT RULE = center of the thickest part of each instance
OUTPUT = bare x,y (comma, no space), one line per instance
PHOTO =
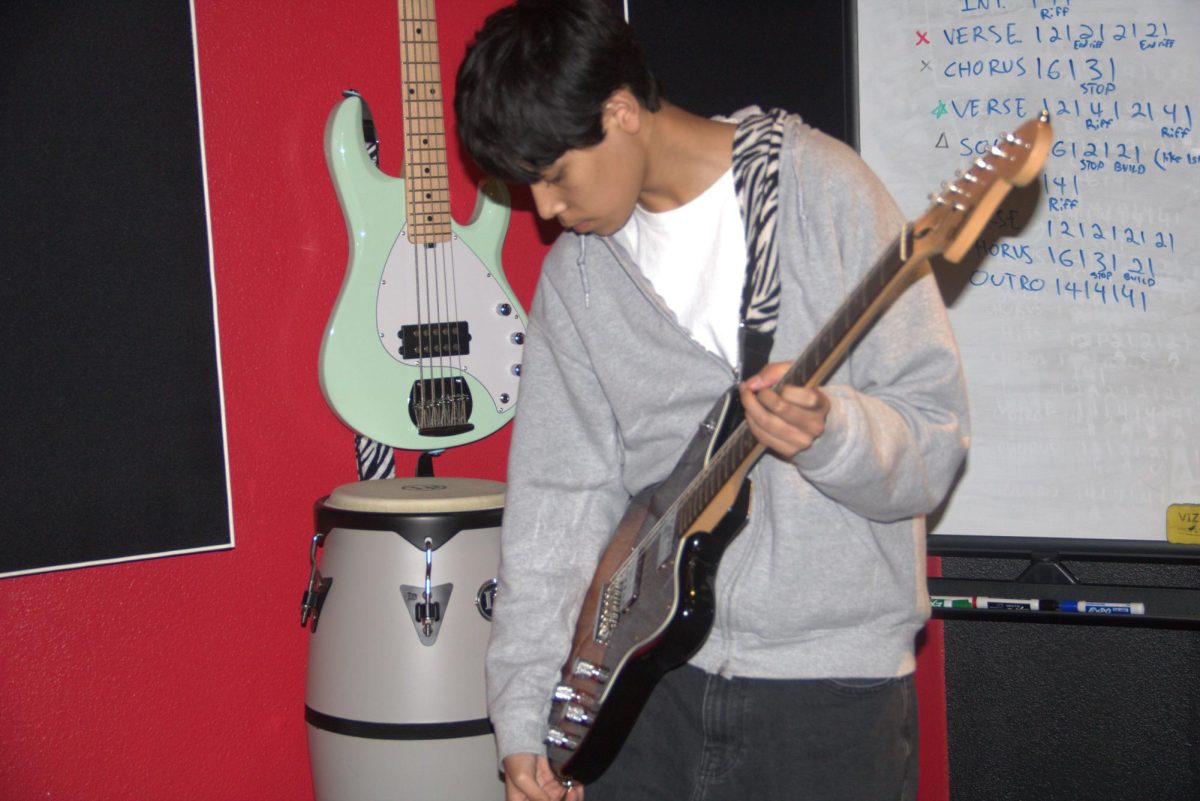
418,495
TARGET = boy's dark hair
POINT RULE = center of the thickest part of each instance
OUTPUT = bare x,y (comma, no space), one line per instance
535,80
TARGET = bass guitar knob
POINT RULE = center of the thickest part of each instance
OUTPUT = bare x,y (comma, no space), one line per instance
587,670
560,739
577,714
568,694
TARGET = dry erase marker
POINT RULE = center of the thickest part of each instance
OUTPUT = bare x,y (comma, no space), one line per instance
1103,607
951,602
1021,604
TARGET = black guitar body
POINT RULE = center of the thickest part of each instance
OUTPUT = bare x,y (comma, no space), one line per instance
685,632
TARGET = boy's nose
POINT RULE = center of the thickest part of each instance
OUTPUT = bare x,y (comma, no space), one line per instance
549,204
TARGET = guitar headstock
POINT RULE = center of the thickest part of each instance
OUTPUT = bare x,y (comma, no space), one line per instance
963,207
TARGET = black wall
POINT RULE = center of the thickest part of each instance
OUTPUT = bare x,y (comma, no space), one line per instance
714,58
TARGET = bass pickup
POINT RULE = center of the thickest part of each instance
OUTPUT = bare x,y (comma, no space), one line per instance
435,340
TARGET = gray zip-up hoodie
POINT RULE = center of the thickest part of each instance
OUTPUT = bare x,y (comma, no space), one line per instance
828,577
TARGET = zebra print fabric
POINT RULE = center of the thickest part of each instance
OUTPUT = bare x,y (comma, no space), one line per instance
375,460
756,146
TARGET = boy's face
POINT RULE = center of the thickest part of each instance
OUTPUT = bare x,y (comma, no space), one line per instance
594,189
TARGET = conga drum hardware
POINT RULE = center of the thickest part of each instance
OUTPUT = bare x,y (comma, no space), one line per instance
425,603
318,586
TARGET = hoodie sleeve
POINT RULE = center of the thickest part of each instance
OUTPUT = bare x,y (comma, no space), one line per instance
897,430
564,497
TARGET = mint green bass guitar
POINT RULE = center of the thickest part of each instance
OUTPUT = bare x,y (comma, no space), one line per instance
423,347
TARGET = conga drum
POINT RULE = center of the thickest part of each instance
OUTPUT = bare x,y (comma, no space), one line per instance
395,701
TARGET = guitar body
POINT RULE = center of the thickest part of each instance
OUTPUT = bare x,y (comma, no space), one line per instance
664,619
456,288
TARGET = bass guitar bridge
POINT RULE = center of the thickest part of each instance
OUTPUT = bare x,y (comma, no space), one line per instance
440,407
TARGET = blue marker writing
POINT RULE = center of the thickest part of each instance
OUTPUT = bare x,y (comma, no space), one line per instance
1103,607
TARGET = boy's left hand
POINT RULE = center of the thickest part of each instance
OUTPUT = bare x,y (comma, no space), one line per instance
788,421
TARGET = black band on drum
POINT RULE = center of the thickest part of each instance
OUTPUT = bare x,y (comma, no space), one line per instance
416,528
397,731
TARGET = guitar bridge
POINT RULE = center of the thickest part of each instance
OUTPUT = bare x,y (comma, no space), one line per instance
440,407
619,596
610,611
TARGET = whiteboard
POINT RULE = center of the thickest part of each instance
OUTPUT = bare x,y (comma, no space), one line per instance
1078,311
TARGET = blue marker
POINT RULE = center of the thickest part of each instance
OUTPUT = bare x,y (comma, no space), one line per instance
1102,607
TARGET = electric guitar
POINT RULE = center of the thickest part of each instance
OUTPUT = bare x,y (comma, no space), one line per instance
650,605
423,346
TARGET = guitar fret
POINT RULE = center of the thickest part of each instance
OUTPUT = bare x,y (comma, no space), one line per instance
419,150
428,215
429,206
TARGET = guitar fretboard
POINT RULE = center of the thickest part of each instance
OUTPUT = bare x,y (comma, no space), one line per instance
813,366
426,189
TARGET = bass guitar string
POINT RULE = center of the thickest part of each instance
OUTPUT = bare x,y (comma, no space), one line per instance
435,393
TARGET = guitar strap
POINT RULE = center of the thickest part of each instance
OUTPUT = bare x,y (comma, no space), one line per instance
756,146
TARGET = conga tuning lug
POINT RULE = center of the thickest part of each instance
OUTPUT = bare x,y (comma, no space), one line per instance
318,587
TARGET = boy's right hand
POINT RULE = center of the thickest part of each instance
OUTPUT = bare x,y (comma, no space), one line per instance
527,777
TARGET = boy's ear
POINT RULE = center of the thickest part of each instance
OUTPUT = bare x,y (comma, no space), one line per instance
623,110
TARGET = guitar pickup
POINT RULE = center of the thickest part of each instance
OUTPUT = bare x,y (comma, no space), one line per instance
435,340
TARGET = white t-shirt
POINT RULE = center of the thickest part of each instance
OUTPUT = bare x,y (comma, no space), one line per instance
695,258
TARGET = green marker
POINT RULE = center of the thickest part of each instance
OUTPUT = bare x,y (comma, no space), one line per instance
951,602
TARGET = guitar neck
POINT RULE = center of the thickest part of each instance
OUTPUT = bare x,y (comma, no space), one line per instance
861,307
426,188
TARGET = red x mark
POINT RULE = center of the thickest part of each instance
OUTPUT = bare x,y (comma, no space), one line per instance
922,38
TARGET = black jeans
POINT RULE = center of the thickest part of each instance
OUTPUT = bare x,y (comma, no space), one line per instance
705,738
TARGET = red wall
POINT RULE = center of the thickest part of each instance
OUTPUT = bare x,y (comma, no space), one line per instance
183,678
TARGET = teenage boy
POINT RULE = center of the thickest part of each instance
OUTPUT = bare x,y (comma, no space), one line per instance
689,239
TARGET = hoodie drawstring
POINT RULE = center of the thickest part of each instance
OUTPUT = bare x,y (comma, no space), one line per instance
581,263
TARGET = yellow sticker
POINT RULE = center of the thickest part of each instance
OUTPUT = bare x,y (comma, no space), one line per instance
1183,523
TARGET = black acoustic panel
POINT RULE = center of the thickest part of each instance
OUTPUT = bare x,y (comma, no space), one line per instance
111,425
716,57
